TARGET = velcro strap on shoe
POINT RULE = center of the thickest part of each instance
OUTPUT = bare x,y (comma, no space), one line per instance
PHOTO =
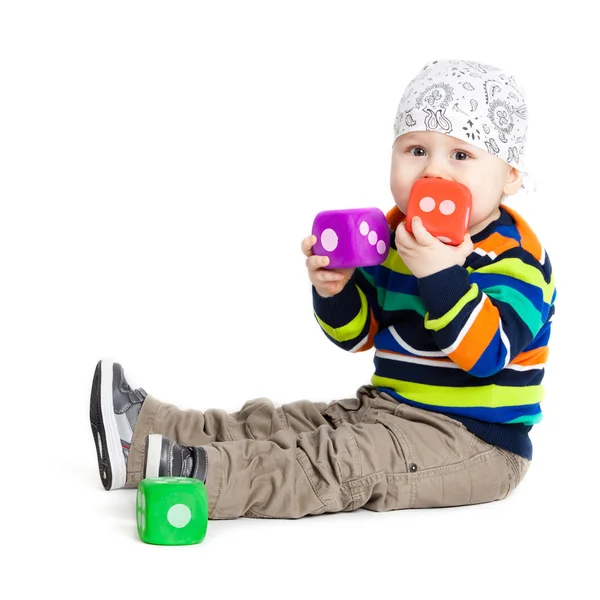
200,463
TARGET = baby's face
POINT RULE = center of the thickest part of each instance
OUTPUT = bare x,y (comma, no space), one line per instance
431,154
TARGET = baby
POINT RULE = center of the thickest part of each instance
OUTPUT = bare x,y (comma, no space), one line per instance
460,335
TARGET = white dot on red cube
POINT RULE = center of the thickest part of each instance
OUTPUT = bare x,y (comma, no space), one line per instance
447,207
444,239
329,240
427,204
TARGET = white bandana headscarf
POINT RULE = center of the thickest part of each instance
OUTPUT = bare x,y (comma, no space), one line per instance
471,101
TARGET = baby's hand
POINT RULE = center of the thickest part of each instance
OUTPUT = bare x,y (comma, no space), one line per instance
424,254
327,282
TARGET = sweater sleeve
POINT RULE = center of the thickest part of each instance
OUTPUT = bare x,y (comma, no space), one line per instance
351,318
482,319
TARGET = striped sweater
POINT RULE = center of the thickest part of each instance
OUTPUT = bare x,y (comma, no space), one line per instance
470,342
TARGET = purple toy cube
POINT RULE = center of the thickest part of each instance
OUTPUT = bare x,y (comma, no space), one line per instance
356,237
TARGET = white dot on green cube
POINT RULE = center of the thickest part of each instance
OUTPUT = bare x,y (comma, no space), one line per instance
143,522
139,519
179,515
139,498
143,502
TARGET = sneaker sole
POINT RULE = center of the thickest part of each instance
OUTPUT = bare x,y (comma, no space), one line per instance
111,461
153,452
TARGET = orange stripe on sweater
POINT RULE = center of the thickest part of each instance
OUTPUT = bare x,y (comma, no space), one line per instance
497,243
529,240
477,338
532,357
373,329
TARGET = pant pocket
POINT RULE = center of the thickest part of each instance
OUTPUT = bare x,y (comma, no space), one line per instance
346,410
390,485
446,465
476,480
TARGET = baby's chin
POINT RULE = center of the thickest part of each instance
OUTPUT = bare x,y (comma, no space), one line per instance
402,205
479,224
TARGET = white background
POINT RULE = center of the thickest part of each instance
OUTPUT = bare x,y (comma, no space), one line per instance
160,164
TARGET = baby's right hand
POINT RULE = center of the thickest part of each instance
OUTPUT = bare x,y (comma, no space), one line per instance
327,282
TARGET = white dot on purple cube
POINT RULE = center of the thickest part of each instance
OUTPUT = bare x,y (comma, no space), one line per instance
427,204
381,246
372,237
447,207
329,240
364,228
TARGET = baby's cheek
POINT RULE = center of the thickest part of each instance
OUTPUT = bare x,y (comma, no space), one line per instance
477,215
400,194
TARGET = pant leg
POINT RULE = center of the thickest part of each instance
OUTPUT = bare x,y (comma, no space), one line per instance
374,452
292,474
310,458
257,419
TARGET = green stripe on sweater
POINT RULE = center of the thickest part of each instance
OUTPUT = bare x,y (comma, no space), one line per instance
514,267
524,307
487,396
392,301
352,329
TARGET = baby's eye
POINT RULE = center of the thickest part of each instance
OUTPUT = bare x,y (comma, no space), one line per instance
417,151
461,155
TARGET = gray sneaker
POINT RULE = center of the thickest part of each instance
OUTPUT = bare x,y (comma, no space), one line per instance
166,458
114,409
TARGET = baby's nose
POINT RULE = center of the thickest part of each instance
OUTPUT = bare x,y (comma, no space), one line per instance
432,176
433,170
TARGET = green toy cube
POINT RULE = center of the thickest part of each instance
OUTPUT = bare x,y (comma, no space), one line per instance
171,511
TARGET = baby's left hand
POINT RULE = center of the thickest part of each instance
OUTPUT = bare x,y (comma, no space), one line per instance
424,254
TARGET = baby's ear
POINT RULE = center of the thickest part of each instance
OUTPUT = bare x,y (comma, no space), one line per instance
513,181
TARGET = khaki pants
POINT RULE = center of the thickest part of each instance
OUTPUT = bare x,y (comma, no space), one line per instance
308,458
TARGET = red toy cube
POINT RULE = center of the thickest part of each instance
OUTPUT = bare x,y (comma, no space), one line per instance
444,207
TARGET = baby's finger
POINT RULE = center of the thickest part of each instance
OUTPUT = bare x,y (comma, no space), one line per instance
314,262
307,244
421,234
466,246
403,237
325,276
